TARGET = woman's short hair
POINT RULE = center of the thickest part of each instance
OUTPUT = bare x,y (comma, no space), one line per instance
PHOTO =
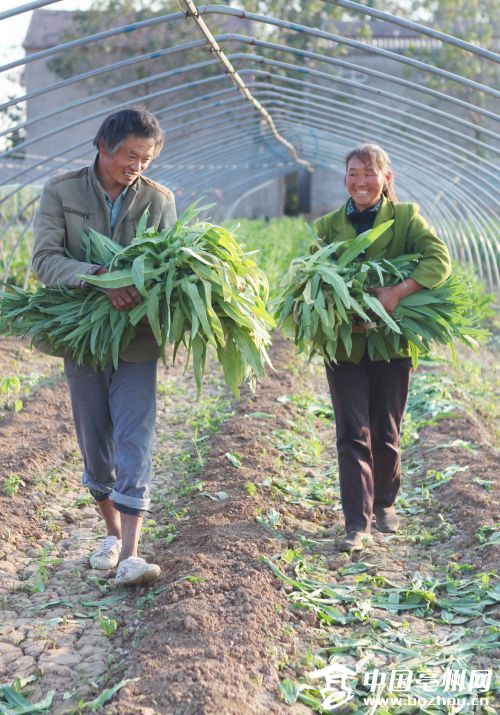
137,121
373,155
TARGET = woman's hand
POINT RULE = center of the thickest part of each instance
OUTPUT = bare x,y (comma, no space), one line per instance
388,296
121,298
391,295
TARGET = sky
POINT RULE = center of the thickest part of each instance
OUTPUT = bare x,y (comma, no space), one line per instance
13,30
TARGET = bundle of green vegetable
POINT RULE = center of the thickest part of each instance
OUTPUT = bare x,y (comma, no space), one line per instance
198,288
323,294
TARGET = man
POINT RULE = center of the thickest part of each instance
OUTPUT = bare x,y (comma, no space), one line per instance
114,410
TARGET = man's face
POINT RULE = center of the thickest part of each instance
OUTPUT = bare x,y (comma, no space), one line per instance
122,168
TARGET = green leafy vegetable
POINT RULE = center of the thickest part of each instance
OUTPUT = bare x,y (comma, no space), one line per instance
199,288
324,294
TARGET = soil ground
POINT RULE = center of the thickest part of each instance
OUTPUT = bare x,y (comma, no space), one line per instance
216,633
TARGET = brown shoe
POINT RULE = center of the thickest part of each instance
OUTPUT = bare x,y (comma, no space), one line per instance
386,519
355,541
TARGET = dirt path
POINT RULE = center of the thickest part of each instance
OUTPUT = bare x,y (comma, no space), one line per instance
233,484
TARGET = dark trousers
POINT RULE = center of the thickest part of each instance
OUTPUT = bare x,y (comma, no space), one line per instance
369,399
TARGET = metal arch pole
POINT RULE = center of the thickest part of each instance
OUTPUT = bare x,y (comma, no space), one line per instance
242,38
421,29
87,40
84,143
364,70
107,93
303,53
101,95
318,111
26,8
456,148
421,142
366,88
370,49
374,103
61,84
223,10
271,89
414,129
73,105
102,112
162,75
208,118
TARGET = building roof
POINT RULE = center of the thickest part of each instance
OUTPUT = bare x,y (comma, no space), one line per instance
45,28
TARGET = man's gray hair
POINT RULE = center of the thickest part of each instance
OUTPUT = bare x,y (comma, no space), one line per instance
137,121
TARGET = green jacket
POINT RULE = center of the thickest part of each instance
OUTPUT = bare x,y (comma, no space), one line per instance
409,233
75,201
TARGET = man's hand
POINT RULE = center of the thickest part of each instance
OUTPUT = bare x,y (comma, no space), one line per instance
362,327
121,298
391,295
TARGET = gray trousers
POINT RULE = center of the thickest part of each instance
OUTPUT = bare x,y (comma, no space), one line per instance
114,413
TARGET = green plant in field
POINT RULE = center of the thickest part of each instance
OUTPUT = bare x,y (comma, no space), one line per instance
234,458
12,484
276,243
95,705
271,520
39,577
488,535
12,702
250,489
108,625
10,388
84,500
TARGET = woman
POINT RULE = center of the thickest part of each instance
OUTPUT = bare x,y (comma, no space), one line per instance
369,396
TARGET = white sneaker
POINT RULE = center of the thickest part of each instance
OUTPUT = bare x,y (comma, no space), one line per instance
107,555
134,571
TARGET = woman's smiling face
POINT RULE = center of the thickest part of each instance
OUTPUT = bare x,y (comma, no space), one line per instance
364,182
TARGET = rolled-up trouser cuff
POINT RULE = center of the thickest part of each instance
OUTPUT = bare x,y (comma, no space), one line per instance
125,500
96,486
99,496
129,510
